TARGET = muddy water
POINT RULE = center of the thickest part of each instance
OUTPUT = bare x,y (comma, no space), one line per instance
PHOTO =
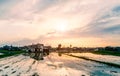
53,65
90,67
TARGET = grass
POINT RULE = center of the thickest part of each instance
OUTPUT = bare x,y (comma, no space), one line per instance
104,52
7,53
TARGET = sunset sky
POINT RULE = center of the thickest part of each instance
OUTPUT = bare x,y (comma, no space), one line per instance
86,23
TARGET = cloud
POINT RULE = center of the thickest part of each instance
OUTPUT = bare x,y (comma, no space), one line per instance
5,6
27,21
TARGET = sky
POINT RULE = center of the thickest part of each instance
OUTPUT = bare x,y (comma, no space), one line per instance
84,23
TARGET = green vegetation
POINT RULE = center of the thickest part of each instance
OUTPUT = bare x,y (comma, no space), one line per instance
104,52
7,53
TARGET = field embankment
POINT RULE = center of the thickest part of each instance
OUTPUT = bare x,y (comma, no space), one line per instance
106,59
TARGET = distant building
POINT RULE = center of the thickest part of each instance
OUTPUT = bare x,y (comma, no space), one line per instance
38,49
34,46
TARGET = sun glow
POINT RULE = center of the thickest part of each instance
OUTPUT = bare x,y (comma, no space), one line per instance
61,26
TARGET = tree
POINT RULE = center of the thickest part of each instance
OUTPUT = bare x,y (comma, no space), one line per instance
59,50
59,46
